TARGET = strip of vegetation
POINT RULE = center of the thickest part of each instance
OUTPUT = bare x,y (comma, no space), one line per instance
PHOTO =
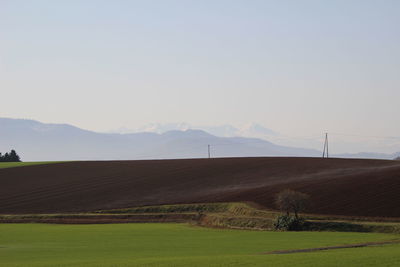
235,208
219,215
179,208
236,222
98,218
4,165
245,216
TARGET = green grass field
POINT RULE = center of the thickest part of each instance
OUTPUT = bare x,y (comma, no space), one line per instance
21,164
182,245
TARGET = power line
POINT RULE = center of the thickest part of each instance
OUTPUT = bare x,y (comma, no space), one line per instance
368,136
318,136
240,141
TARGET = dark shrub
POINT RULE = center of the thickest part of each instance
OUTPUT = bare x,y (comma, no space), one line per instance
289,223
10,157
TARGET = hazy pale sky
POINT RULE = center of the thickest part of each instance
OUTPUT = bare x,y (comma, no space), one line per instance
297,67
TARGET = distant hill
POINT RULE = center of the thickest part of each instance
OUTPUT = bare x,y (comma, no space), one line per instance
247,130
369,155
36,141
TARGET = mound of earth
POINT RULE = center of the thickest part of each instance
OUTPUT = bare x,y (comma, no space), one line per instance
352,187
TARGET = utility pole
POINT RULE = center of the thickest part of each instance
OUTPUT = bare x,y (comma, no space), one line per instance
326,147
209,154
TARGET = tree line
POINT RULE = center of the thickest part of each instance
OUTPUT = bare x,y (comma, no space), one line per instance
11,156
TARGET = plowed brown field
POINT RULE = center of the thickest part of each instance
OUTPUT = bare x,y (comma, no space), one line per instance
337,186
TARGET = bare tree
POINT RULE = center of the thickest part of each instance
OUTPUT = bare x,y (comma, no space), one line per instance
291,201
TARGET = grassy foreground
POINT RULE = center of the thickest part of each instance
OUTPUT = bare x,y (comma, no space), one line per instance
21,164
182,245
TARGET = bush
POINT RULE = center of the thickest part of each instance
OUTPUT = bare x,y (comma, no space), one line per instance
289,223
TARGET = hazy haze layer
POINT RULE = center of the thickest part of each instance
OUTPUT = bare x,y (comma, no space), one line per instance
297,67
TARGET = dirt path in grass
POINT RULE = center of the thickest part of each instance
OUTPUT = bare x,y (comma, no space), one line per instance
360,245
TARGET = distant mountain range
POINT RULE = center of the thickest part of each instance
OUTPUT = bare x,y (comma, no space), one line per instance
36,141
247,130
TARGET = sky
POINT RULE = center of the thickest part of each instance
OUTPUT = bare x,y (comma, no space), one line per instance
297,67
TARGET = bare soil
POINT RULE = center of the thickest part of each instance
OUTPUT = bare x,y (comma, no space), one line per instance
349,187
